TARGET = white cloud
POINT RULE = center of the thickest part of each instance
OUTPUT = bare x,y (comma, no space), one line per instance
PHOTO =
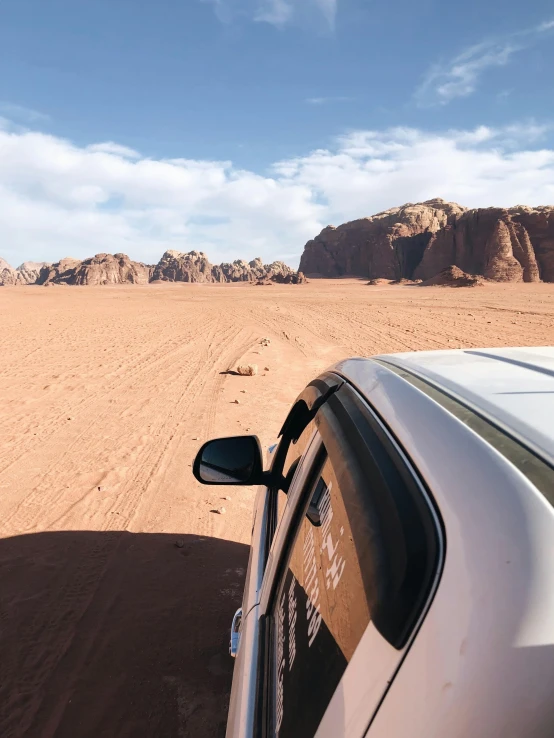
226,11
109,147
58,199
503,95
278,13
22,114
329,10
369,171
326,100
460,76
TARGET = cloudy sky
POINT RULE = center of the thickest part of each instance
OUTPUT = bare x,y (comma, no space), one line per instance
242,127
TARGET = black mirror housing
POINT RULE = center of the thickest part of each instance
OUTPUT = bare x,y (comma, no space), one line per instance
235,460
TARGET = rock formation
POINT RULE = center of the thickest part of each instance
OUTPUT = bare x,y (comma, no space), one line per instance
8,274
417,241
453,276
61,272
240,271
499,261
488,240
100,269
279,272
175,266
194,266
388,245
27,273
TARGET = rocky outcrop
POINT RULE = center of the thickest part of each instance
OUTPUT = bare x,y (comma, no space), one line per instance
27,273
240,271
495,242
279,272
194,266
453,276
291,278
8,275
500,263
419,241
100,269
388,245
176,266
61,272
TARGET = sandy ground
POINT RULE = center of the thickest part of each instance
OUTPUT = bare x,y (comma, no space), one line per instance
107,627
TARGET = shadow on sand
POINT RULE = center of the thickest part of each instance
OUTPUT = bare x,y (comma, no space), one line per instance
116,634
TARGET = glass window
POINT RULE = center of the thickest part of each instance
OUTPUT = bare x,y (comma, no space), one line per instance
321,609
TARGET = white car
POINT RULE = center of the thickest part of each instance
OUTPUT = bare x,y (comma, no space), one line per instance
401,576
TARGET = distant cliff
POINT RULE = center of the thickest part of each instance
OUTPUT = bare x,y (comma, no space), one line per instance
194,266
174,266
27,273
417,241
99,269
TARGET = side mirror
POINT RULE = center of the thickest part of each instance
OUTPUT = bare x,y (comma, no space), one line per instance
233,460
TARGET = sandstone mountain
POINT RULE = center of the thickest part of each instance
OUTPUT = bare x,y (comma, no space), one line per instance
174,266
100,269
417,241
194,266
8,274
27,273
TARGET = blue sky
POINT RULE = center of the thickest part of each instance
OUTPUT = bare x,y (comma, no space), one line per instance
241,127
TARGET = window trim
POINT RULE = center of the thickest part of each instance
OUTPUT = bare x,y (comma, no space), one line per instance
317,463
303,411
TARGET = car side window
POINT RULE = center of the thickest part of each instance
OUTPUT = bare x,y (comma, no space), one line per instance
321,609
366,546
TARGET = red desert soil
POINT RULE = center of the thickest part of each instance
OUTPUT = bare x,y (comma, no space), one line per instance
118,584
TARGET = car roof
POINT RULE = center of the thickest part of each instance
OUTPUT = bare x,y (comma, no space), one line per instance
513,387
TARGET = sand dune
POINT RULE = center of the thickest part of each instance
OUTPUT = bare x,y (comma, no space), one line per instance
118,582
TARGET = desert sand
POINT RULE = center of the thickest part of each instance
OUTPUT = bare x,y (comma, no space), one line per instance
118,579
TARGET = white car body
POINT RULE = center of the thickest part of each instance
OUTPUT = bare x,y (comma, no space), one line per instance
477,430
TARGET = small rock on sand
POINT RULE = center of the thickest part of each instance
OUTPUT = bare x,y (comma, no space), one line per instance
236,402
247,370
266,368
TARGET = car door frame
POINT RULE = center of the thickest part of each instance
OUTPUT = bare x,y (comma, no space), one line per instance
280,554
244,698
